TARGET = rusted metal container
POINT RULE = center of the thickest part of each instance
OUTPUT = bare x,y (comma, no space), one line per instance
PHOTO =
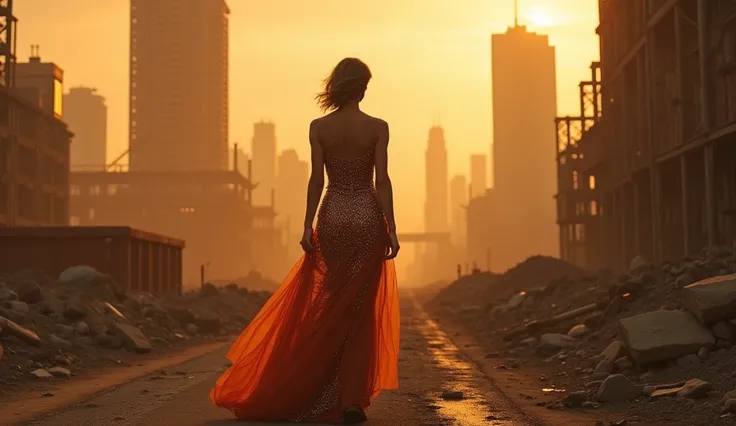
137,260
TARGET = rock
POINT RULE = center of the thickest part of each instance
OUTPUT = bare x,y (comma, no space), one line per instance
703,353
516,301
183,315
16,330
75,309
7,295
695,388
60,372
63,329
28,291
82,328
729,406
93,283
617,388
578,331
109,342
638,263
624,363
40,373
722,331
663,335
208,323
59,342
603,369
614,351
688,360
712,299
729,395
192,329
133,338
575,399
18,306
452,395
648,390
556,341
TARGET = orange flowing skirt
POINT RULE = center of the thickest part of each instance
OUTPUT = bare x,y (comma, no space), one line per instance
321,344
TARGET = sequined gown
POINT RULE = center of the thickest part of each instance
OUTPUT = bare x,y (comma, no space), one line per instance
328,338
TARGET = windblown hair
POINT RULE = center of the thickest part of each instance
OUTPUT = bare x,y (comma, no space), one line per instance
347,82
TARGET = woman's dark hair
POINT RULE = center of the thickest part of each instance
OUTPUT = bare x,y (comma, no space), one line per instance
347,82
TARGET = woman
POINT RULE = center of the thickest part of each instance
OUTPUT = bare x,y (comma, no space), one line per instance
327,341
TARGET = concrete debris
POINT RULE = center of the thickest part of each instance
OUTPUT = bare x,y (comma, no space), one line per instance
618,388
84,319
711,300
663,335
653,324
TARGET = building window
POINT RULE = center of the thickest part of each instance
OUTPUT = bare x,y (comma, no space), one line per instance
187,209
74,221
75,190
91,214
112,189
94,190
58,98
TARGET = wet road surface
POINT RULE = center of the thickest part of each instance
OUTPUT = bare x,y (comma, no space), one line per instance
429,365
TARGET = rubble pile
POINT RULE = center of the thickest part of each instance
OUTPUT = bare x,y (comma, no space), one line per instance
59,327
656,335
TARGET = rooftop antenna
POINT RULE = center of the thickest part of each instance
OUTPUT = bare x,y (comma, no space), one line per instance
516,13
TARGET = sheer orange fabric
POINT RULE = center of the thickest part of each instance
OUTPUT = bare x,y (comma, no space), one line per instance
325,341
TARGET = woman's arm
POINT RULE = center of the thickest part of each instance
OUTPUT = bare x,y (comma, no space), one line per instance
317,178
383,182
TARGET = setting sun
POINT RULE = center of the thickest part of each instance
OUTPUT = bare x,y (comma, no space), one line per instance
542,16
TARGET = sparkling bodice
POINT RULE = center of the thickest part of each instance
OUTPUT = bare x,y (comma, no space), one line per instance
350,174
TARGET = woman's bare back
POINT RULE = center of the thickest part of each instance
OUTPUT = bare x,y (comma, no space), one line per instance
347,134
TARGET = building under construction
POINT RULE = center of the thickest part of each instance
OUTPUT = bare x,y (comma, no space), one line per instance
211,210
648,168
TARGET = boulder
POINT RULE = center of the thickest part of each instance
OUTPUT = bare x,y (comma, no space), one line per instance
712,299
617,388
133,338
663,335
28,291
556,341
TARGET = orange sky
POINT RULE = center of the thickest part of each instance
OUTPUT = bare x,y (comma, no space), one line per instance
430,58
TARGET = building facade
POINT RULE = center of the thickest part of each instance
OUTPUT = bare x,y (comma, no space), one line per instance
291,196
85,113
436,181
179,85
478,175
264,153
524,170
34,163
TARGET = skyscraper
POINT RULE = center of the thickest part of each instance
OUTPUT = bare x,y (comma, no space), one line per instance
478,175
263,152
524,109
291,194
179,85
458,202
86,114
435,204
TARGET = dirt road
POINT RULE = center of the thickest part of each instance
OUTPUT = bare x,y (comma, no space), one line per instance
430,364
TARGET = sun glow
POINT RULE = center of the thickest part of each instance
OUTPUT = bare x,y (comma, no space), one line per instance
542,16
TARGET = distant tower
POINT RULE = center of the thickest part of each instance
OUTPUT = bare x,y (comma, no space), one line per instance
263,152
478,175
86,114
179,85
435,205
524,168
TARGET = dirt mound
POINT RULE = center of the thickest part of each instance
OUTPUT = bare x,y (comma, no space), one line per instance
84,320
658,326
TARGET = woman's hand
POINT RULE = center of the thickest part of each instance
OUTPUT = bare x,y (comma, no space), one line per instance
306,241
392,249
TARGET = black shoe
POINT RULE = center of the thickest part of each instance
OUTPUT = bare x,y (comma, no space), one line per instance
352,417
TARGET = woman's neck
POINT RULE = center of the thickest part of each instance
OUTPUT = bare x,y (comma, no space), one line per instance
351,106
